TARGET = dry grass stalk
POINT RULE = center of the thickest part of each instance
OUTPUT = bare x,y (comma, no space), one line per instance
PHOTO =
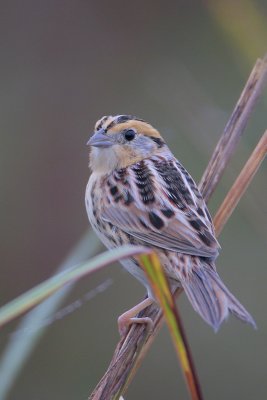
132,349
234,128
239,187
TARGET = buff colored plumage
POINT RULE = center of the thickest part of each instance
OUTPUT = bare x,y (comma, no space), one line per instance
138,193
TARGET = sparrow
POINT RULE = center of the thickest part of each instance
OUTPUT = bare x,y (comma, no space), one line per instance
138,193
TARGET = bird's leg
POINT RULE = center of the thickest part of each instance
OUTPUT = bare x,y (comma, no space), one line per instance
129,317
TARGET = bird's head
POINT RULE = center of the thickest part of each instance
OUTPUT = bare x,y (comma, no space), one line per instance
122,140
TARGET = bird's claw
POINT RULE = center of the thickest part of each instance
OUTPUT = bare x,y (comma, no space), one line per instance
124,324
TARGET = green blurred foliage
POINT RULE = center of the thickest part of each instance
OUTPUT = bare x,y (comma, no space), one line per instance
180,65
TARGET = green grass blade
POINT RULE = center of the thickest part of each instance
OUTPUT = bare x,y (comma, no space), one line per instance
51,285
31,328
161,290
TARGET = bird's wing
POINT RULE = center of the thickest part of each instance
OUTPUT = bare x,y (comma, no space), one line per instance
158,202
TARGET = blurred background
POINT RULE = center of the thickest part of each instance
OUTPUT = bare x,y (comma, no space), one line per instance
180,65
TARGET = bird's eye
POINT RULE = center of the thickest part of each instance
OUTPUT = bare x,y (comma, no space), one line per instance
129,134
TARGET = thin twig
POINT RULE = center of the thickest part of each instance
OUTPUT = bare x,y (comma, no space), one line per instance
234,128
240,185
132,349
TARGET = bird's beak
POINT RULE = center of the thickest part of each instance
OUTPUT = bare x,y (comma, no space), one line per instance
100,139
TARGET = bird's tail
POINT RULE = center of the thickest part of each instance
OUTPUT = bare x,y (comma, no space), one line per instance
211,298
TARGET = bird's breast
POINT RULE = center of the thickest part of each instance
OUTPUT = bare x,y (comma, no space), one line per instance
110,235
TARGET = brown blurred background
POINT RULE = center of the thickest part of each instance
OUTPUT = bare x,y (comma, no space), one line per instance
180,65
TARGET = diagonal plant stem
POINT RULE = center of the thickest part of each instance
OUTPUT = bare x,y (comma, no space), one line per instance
132,349
239,187
234,128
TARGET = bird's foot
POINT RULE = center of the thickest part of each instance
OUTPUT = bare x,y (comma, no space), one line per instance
129,317
124,325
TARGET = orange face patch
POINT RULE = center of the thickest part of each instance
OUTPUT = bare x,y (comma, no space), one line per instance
139,126
114,124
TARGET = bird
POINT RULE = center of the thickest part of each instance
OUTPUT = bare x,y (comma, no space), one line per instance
138,193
